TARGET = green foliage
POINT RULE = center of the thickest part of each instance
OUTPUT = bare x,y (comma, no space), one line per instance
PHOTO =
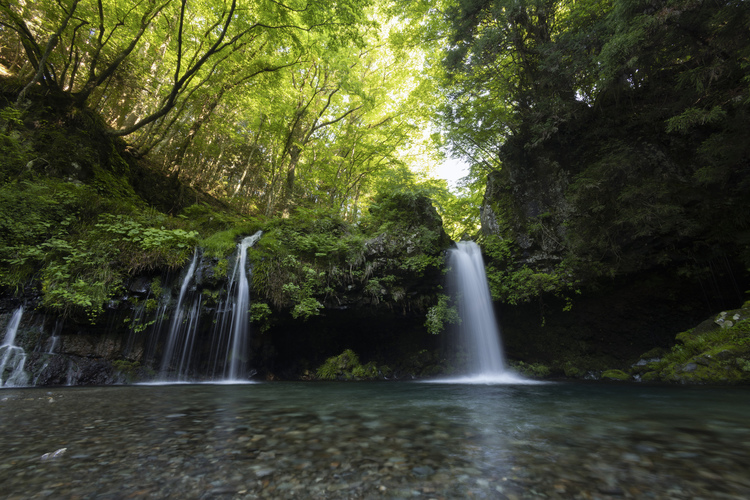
346,366
222,229
128,369
615,375
260,315
441,314
53,233
156,288
514,284
305,305
406,217
15,153
339,366
625,122
312,255
300,270
208,220
147,247
222,267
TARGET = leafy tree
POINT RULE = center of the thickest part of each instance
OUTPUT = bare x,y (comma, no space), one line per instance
611,130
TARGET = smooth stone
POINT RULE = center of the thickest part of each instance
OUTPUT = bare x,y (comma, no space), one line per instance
424,470
260,473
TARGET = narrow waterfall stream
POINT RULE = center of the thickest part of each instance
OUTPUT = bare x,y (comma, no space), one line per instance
180,338
236,369
13,357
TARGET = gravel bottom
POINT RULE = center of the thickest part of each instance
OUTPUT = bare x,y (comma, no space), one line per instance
200,442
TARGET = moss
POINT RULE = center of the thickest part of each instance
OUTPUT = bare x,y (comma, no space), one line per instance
707,355
223,243
346,366
656,352
573,371
127,369
615,375
534,370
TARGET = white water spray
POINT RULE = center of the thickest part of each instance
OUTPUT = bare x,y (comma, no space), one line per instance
227,360
13,357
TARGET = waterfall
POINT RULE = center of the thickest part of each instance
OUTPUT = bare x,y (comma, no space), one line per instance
240,324
181,329
13,357
226,355
12,329
479,332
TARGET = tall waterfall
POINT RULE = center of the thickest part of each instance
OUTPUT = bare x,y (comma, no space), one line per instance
479,333
13,357
237,346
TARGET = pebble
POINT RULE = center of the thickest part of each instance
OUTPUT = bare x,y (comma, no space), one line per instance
262,442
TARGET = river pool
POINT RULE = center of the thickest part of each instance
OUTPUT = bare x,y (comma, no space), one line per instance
375,440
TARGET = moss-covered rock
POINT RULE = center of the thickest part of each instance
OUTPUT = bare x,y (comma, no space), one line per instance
346,366
532,370
615,375
715,352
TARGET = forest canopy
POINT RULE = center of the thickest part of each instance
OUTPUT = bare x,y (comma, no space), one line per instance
615,131
268,105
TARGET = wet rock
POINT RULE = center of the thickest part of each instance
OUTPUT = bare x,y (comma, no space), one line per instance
689,367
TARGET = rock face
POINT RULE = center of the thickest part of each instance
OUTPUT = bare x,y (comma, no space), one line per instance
608,329
616,239
374,305
62,357
530,208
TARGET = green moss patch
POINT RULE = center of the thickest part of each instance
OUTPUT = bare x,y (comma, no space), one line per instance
715,353
346,366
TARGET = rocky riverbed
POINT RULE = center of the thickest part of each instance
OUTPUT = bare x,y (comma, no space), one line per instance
373,441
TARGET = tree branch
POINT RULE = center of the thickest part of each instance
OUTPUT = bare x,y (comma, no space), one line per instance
47,51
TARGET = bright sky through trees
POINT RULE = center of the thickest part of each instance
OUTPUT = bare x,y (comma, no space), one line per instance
452,170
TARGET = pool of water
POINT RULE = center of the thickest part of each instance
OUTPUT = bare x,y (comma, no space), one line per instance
375,440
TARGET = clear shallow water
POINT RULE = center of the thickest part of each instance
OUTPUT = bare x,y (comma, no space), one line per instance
368,440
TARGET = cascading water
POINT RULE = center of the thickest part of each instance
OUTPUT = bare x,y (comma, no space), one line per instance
13,357
227,360
479,332
236,368
181,332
